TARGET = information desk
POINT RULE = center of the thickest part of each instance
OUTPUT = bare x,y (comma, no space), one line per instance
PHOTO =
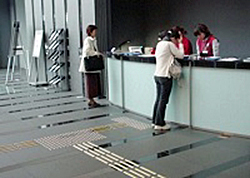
213,95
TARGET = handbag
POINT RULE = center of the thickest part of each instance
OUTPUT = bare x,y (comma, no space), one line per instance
175,69
93,63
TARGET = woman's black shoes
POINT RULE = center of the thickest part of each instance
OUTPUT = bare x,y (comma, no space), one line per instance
93,105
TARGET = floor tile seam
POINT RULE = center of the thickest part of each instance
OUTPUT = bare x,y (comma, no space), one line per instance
49,118
59,112
46,112
38,161
21,91
14,89
176,151
16,119
35,100
133,139
207,168
48,126
33,91
221,167
234,149
14,83
46,106
71,99
27,104
95,173
40,106
218,147
191,167
33,94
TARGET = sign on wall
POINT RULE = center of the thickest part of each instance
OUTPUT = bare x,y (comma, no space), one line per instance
37,43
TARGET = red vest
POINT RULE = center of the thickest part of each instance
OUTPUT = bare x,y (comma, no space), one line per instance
206,45
187,46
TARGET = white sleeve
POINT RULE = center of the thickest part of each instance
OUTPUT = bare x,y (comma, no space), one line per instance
216,45
181,48
175,51
96,47
197,48
87,50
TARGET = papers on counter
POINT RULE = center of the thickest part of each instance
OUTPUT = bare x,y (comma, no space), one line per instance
230,59
147,55
246,60
213,58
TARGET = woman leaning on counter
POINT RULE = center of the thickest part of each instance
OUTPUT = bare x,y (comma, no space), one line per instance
206,44
92,79
165,53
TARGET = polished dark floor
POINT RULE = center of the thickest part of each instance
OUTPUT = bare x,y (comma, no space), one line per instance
45,133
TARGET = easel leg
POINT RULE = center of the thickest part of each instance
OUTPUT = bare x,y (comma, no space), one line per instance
8,71
37,76
13,68
26,65
30,70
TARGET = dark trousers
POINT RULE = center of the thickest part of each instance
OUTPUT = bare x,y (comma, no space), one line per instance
92,85
163,87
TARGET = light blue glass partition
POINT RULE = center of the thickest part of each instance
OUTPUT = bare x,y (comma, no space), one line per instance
218,101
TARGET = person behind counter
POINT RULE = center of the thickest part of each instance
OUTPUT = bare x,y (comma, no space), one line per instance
206,44
188,50
92,79
165,53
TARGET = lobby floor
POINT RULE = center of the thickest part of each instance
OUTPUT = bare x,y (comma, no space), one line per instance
46,133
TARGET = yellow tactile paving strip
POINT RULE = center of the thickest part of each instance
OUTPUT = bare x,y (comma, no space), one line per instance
32,143
18,146
116,162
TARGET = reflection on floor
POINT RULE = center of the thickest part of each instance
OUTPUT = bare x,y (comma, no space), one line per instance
46,133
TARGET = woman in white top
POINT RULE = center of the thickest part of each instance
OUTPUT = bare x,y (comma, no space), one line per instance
92,79
165,53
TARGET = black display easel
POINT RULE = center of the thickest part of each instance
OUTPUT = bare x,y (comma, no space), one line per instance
16,49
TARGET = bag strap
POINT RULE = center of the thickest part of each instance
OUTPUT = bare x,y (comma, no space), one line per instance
171,53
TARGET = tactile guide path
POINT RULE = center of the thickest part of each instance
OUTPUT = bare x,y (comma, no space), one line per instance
17,146
116,162
41,142
69,139
132,123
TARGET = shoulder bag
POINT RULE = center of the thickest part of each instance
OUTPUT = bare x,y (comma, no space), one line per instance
175,69
93,63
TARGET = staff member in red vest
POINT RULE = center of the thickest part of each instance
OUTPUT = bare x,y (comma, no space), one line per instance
206,44
187,45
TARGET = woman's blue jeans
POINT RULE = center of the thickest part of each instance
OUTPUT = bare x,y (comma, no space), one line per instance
163,88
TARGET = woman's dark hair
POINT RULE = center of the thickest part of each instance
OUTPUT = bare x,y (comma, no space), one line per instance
90,29
167,34
201,28
162,34
173,34
180,29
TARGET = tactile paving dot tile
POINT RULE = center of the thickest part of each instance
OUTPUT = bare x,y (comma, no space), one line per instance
132,123
69,139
